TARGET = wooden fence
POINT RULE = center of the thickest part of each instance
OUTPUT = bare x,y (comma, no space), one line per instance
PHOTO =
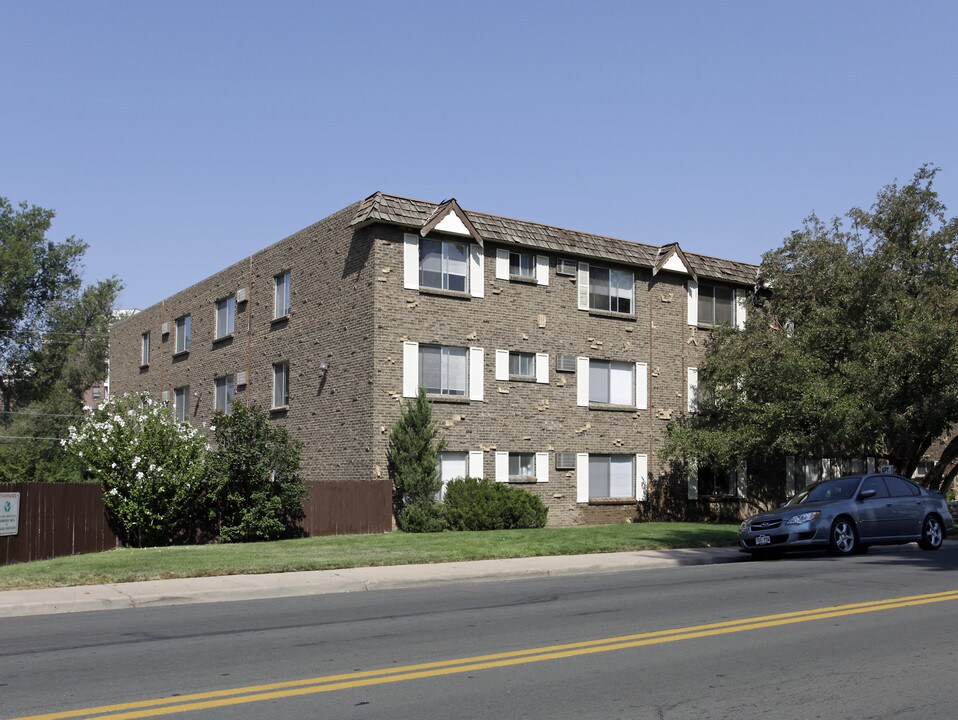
69,519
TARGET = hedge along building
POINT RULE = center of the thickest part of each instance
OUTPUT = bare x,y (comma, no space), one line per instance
554,359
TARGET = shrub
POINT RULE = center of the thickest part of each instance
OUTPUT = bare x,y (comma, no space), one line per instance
254,471
474,504
150,467
413,455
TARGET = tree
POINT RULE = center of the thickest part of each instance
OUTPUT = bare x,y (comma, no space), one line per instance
413,456
853,348
254,473
53,342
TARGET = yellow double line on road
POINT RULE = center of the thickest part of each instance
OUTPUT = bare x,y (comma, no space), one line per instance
330,683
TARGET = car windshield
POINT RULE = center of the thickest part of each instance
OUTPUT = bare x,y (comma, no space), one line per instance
840,489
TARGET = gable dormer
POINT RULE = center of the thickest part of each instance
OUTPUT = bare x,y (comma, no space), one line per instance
450,218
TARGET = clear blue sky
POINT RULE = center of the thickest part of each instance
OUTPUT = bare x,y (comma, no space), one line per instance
179,137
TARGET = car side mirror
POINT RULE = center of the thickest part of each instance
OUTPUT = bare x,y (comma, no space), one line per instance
865,494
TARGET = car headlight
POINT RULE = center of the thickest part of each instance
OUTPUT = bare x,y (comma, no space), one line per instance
744,526
803,518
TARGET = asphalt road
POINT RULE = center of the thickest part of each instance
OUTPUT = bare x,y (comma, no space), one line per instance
804,637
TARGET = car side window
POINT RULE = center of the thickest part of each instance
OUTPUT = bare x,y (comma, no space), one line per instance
876,484
901,488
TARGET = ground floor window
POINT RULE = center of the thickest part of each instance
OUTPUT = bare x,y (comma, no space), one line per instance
717,482
611,476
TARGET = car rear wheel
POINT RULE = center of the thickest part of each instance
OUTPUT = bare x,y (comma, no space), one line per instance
844,538
932,533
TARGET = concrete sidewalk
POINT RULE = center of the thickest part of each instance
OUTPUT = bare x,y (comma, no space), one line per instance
153,593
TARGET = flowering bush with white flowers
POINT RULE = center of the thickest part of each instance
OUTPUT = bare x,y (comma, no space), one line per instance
150,465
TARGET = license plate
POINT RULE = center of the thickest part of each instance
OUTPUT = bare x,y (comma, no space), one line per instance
763,539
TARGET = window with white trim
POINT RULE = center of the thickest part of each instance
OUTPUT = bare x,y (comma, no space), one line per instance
522,265
183,326
224,390
181,401
716,305
280,385
281,296
611,476
717,483
611,289
145,348
444,264
444,370
611,382
522,466
522,365
225,317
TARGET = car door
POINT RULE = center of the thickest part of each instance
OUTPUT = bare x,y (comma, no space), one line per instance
876,515
907,504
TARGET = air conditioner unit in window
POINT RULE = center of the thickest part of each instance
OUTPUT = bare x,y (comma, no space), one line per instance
241,295
565,461
564,266
565,363
165,396
165,329
241,378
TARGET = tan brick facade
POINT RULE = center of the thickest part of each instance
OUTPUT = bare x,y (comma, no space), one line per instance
344,342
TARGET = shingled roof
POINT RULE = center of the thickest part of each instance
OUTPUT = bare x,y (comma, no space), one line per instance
406,212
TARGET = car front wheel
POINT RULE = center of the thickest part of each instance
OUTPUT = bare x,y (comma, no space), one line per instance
844,538
932,534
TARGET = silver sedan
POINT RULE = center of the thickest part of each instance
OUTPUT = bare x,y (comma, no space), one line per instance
848,514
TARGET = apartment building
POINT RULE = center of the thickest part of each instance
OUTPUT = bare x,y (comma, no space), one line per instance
554,359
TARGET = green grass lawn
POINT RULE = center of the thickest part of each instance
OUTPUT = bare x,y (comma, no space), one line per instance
345,551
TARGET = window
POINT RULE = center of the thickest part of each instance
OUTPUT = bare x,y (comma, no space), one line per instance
280,385
611,476
716,305
181,399
225,317
522,365
717,482
901,488
443,370
223,400
444,265
522,265
145,349
522,466
611,289
183,324
611,383
281,307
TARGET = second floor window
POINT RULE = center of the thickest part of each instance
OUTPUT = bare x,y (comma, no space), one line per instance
522,365
611,383
281,305
145,349
225,316
281,385
522,265
716,305
612,290
444,265
443,370
223,395
183,325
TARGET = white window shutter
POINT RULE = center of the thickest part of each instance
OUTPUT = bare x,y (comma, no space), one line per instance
582,477
693,471
476,358
502,364
542,368
542,269
692,389
542,467
502,466
642,386
410,369
641,476
693,302
477,283
411,261
502,264
790,476
742,484
740,306
475,464
582,283
582,381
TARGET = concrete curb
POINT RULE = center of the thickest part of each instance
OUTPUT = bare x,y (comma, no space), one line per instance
229,588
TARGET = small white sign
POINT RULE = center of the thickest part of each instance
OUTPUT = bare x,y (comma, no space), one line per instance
9,513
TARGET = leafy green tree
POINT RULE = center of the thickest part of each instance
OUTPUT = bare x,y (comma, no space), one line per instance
256,487
853,349
413,456
150,465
